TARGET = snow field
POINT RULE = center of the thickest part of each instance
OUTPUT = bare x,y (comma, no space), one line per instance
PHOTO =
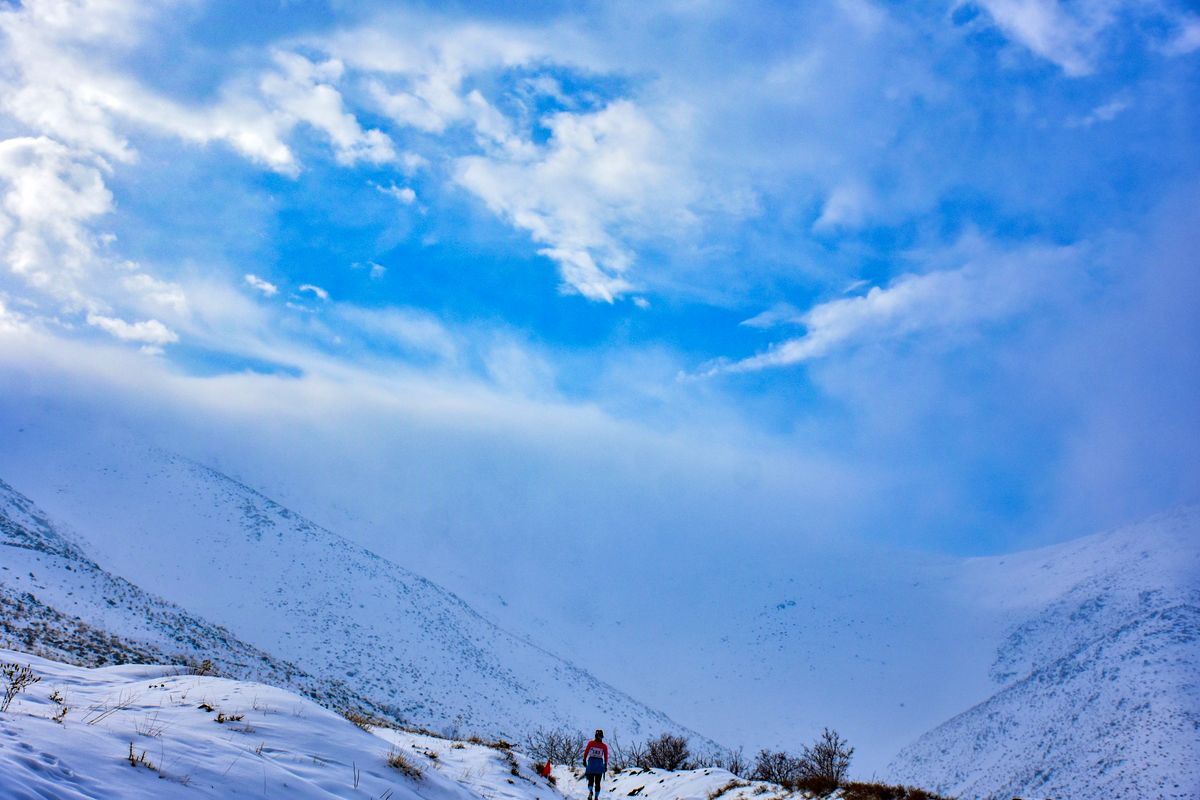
283,745
273,743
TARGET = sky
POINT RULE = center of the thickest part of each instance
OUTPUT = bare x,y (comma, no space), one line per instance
922,274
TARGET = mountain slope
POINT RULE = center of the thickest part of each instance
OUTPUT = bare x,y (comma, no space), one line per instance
1116,718
1101,685
59,603
225,552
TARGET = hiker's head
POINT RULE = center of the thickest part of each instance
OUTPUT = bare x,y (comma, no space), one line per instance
599,734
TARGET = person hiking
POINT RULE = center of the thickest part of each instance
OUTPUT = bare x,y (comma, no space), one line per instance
595,764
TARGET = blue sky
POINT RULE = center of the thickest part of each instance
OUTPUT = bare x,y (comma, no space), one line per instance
929,266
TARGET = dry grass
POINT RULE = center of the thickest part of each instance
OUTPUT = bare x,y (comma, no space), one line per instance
729,787
397,761
882,791
139,760
364,720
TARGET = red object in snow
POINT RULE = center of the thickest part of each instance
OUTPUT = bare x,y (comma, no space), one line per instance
546,770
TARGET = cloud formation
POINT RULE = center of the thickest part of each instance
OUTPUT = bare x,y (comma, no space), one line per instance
393,170
598,173
50,196
151,332
1071,34
988,288
266,287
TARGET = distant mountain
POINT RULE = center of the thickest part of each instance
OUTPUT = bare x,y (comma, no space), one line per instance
271,578
1100,692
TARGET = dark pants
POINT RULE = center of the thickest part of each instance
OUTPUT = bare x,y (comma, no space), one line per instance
594,781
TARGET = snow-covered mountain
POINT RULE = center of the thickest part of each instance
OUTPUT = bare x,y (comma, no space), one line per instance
1099,673
271,578
58,602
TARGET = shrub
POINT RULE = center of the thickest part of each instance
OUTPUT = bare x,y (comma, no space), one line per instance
17,678
558,745
828,757
814,785
880,791
204,667
733,761
668,751
874,791
621,757
776,767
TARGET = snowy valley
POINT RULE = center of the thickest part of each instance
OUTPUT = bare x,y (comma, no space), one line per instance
1068,671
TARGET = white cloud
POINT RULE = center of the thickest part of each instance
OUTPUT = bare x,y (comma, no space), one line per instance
1071,34
848,206
316,291
374,270
302,91
1105,112
1052,31
405,194
266,287
48,196
433,104
422,63
602,182
1187,40
778,314
407,330
600,175
77,96
149,332
10,321
515,370
156,293
988,288
115,21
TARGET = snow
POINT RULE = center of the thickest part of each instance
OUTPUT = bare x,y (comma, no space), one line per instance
283,745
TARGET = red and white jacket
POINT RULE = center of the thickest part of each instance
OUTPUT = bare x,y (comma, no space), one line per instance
595,749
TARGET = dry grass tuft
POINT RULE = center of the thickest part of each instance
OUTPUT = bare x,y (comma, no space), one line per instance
364,720
397,761
729,787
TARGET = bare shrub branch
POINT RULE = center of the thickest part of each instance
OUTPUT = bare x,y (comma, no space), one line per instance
828,757
17,678
668,751
557,745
